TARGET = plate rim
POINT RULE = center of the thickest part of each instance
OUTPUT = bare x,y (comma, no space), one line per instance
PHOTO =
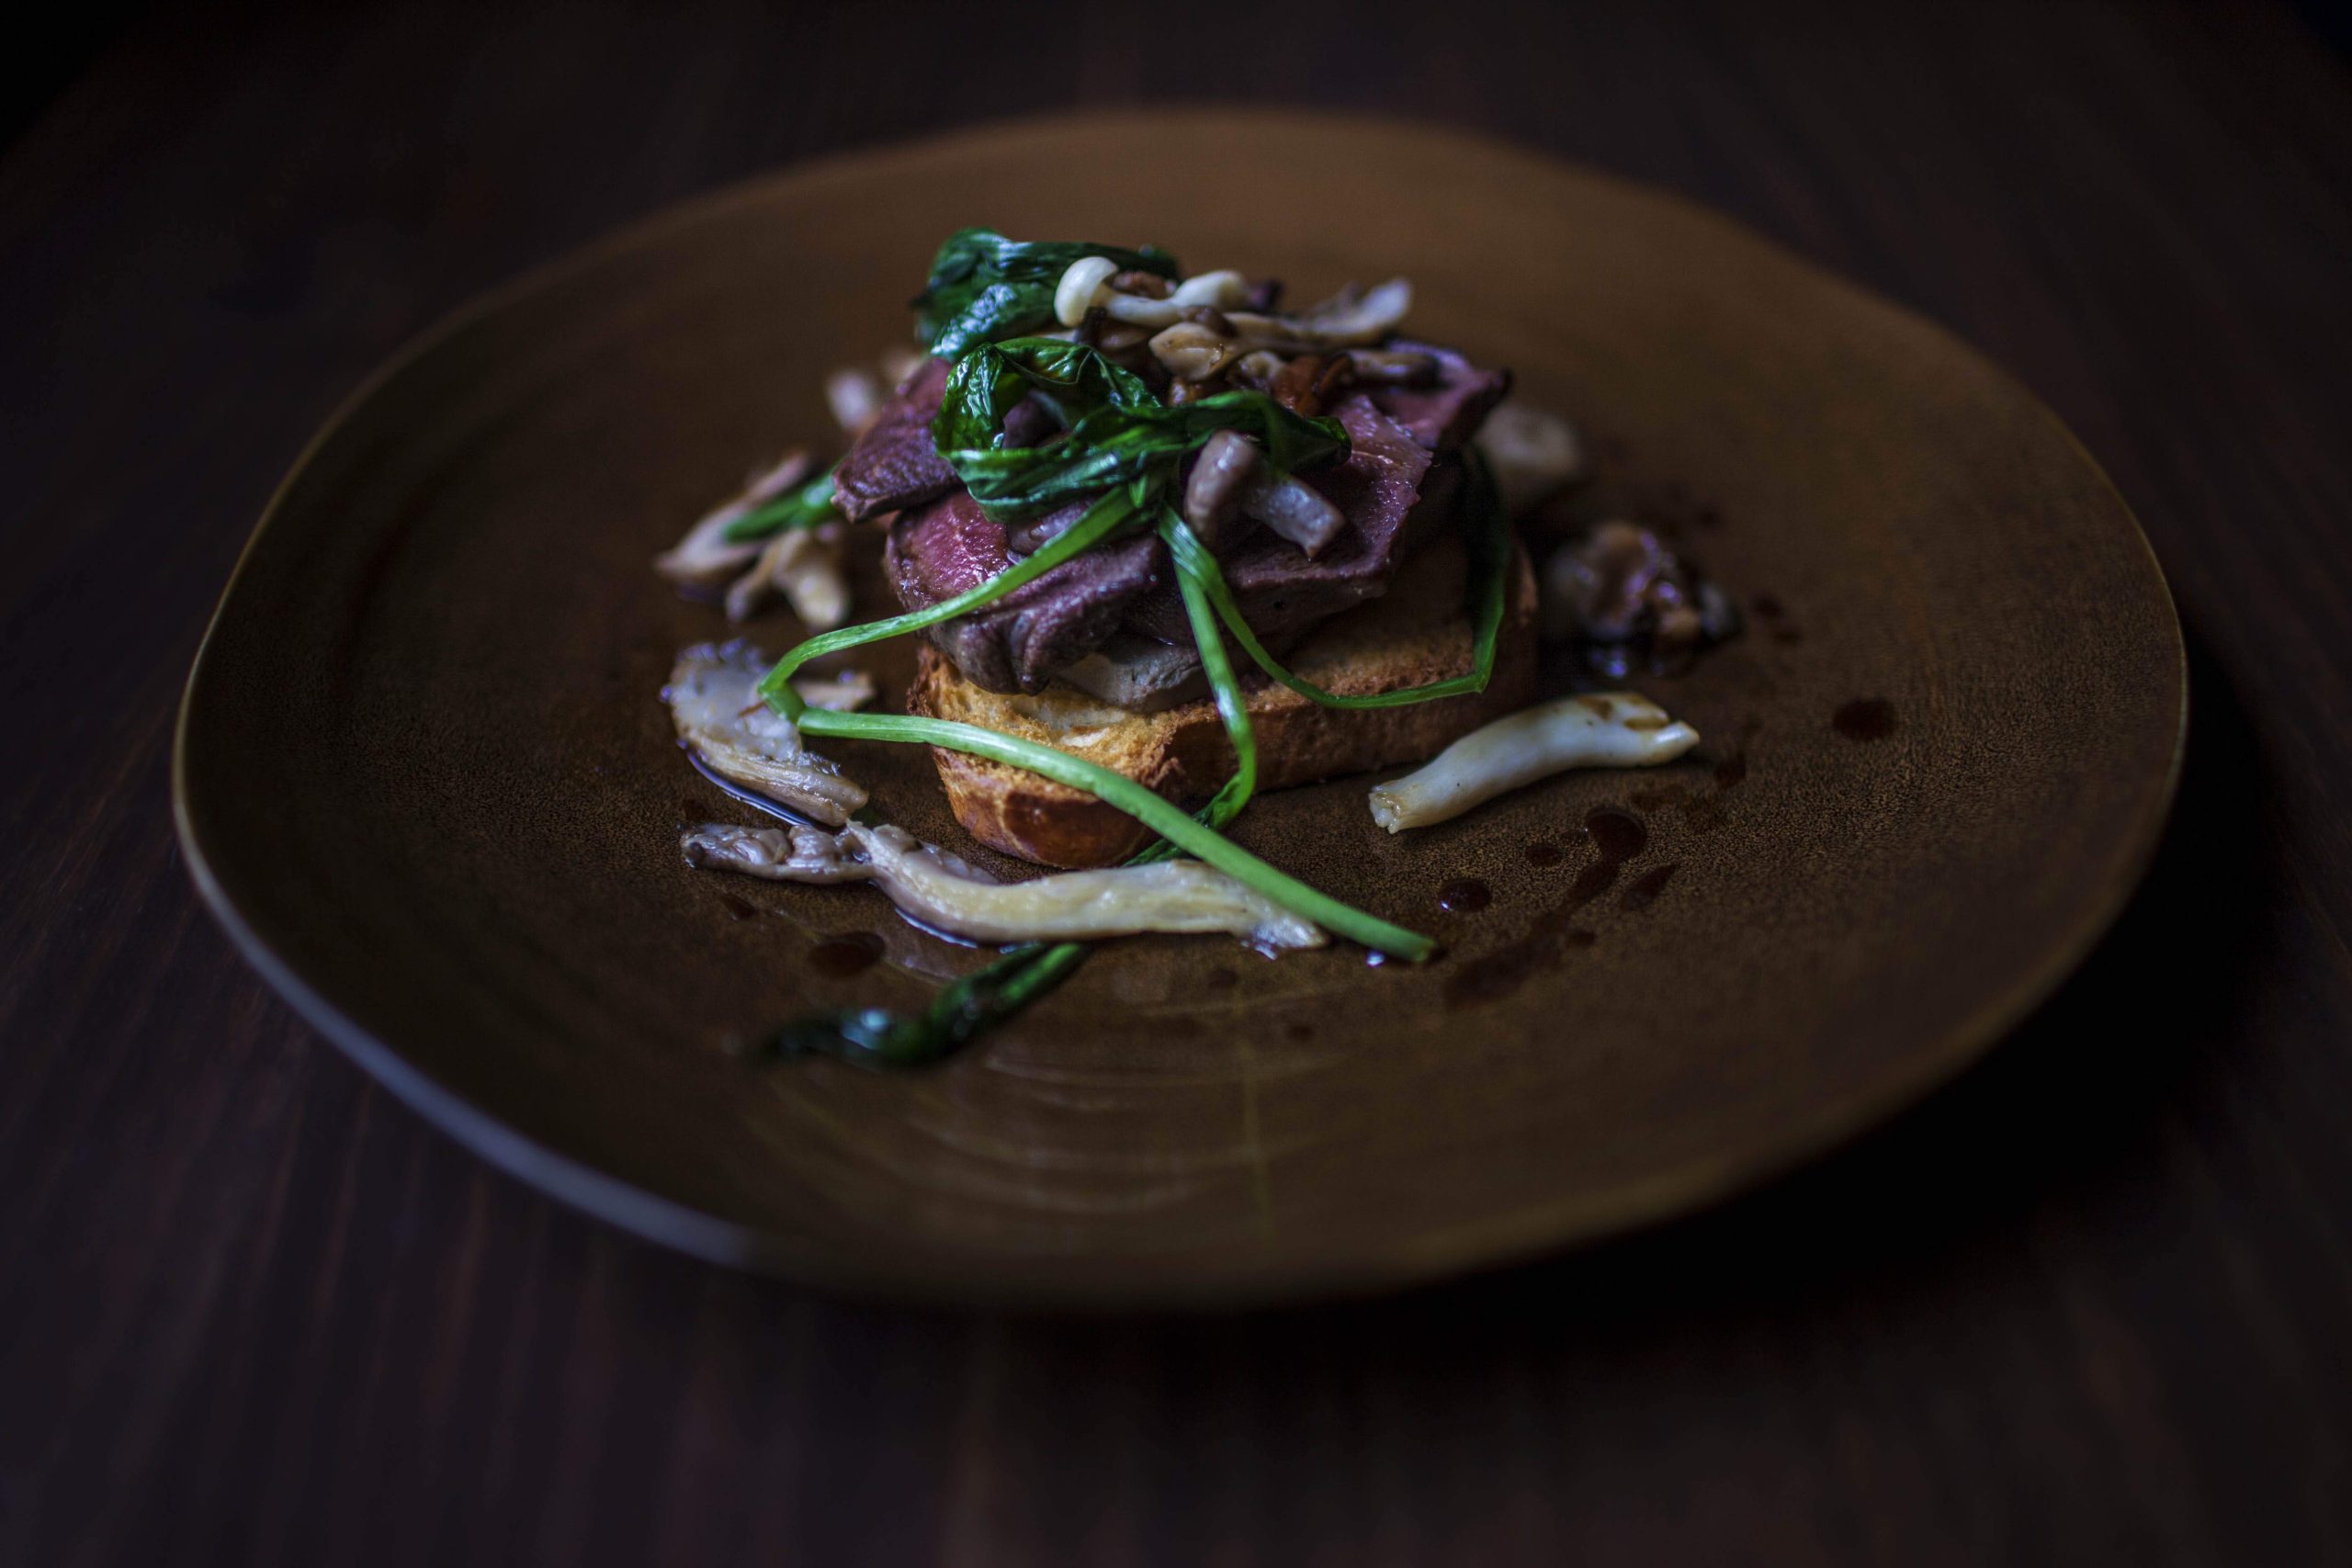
1529,1232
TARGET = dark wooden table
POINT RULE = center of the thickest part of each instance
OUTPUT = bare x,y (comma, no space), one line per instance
2094,1304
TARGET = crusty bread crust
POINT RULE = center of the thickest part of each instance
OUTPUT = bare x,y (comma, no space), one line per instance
1414,633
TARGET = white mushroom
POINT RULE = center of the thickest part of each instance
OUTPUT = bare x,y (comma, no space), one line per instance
1222,290
939,890
1616,729
1532,454
1194,352
721,718
1298,512
706,556
1084,283
805,565
1347,320
855,395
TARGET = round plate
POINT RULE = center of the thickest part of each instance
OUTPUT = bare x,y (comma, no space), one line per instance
424,779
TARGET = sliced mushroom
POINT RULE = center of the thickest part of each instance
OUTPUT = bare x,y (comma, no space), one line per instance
806,565
1258,369
1298,511
1616,729
1531,453
1212,496
1347,320
1194,351
722,720
1307,384
855,395
706,556
1393,366
939,890
816,582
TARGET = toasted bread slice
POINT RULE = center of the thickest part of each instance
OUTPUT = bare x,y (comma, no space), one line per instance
1414,633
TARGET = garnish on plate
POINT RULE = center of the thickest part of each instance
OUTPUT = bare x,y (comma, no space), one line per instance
1105,484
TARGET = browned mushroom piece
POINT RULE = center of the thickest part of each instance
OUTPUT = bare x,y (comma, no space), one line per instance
1306,385
1633,605
1144,284
1257,369
1211,508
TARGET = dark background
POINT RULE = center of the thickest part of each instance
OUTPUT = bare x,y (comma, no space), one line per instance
2093,1304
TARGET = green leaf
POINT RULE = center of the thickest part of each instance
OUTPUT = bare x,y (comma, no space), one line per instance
984,287
1118,433
805,508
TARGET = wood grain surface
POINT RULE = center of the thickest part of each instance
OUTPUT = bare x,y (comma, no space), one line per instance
2088,1306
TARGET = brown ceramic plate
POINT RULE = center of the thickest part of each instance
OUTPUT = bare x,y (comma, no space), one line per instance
424,778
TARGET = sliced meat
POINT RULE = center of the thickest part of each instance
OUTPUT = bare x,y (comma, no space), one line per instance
1444,415
1393,495
895,464
1395,498
1014,645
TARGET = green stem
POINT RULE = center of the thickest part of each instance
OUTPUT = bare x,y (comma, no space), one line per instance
1490,549
1123,793
804,508
1114,509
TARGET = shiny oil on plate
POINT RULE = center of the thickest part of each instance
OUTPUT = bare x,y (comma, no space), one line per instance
424,779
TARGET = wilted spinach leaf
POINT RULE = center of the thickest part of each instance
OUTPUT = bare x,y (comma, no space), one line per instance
984,287
1118,432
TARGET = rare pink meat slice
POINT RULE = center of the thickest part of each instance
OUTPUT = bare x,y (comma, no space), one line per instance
1393,493
1394,498
1015,643
1445,415
895,464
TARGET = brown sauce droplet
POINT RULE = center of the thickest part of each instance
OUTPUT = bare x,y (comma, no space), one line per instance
1648,885
1465,895
838,958
738,909
1864,718
1592,882
1545,855
1618,835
